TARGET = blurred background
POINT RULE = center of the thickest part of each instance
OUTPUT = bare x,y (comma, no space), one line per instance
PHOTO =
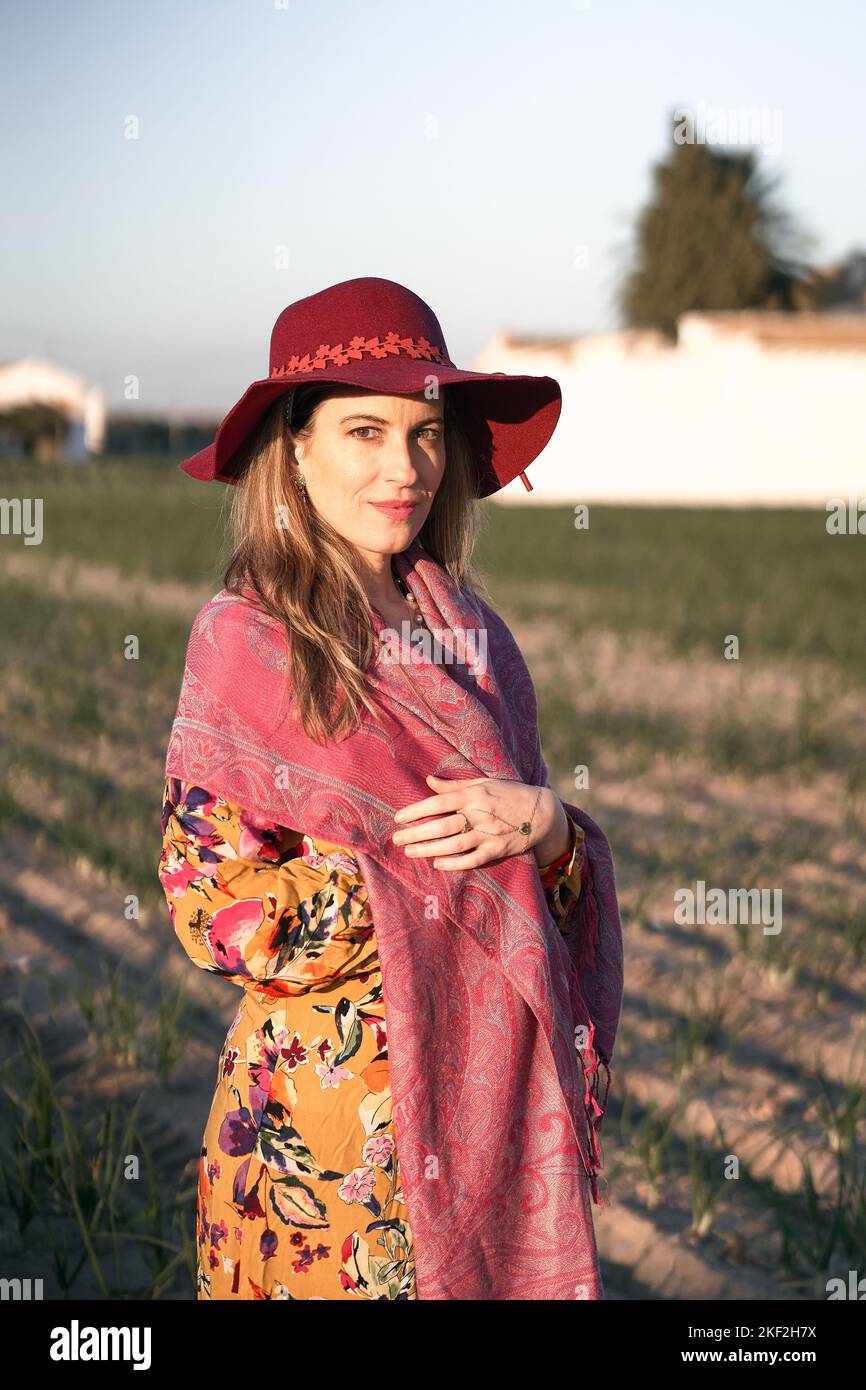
665,211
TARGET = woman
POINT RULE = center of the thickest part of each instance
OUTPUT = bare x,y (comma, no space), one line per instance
359,832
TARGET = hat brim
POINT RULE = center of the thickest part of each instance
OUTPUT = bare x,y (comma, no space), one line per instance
508,419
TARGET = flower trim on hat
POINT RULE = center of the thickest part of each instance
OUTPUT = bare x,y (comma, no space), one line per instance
338,356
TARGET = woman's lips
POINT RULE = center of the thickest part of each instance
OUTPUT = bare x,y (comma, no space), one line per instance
398,511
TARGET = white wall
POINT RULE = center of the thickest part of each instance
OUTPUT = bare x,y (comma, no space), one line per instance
717,419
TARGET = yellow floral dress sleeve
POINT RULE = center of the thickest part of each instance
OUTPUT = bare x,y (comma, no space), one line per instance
562,879
255,901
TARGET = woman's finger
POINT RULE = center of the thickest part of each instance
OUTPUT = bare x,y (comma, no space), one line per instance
445,825
430,806
456,781
443,801
423,848
473,860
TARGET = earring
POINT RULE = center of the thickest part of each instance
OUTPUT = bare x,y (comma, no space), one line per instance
298,480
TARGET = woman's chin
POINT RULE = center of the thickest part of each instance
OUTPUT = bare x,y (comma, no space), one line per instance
396,534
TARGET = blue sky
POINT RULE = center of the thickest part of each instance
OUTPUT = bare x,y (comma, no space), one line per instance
468,150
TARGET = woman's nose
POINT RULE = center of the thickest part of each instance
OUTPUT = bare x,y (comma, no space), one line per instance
400,462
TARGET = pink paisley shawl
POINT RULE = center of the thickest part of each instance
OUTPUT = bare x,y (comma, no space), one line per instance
498,1022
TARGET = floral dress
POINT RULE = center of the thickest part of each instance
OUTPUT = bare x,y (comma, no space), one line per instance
299,1190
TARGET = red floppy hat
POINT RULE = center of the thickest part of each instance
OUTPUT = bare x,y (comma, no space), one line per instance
376,334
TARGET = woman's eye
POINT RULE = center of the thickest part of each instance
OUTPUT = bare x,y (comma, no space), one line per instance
364,431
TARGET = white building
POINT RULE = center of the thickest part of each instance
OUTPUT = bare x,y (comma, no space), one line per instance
32,381
748,408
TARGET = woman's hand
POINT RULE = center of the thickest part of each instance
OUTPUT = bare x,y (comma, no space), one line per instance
494,810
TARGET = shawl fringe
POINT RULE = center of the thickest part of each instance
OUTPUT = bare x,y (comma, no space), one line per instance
595,1104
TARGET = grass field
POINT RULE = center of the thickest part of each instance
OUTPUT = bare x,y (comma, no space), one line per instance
734,1044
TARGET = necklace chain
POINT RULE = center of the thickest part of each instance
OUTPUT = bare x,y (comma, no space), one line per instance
412,602
415,609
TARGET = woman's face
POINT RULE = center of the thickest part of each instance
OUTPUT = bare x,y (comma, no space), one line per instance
366,450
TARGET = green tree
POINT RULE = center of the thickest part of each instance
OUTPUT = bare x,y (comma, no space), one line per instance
711,237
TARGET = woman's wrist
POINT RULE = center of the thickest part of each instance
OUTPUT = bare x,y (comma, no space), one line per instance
557,838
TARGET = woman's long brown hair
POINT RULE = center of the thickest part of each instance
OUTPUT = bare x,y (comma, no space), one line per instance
305,573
